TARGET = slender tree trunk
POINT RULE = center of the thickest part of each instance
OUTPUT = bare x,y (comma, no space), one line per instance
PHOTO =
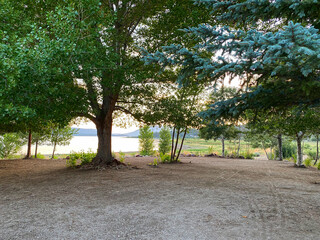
317,155
176,145
54,149
104,132
222,142
280,147
29,145
299,162
36,150
172,143
184,136
238,152
265,151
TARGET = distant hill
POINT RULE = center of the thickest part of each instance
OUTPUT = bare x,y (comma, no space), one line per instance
90,132
93,132
193,133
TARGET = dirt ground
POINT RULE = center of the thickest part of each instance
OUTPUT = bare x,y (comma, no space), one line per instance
209,198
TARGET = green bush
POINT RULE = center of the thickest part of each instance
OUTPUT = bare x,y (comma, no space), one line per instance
289,150
247,155
308,162
210,150
318,166
165,158
10,144
84,157
312,154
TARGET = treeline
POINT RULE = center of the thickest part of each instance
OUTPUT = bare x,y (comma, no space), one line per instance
11,143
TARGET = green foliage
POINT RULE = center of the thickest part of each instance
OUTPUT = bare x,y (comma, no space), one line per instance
97,42
62,136
40,156
165,158
154,163
289,149
312,154
210,149
247,154
146,141
307,162
10,144
83,157
318,166
164,140
122,157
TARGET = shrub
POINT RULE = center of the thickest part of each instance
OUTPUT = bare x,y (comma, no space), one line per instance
308,162
164,140
165,158
289,149
10,144
312,154
318,166
146,141
247,155
155,163
84,157
210,150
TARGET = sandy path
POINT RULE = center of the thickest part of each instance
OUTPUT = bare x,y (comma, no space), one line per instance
207,199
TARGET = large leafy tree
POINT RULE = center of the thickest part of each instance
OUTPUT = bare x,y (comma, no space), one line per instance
84,56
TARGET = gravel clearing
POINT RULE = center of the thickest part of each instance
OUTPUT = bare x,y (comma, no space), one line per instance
209,198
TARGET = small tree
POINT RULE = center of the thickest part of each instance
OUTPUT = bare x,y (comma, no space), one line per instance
165,140
10,143
146,141
61,136
40,138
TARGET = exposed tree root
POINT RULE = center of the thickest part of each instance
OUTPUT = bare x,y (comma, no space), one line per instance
102,165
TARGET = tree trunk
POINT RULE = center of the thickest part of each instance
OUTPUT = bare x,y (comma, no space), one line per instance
29,145
280,147
104,132
299,162
36,150
54,149
172,143
317,155
184,136
222,142
238,152
176,145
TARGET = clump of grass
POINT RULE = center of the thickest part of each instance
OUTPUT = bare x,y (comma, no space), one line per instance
210,150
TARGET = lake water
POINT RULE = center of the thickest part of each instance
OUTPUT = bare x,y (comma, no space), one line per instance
79,143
